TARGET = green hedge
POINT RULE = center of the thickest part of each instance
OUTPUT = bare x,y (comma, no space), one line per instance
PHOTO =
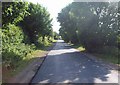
13,48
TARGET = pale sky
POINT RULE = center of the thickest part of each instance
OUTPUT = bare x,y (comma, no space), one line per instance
54,7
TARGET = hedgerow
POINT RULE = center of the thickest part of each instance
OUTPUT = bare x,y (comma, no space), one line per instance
13,48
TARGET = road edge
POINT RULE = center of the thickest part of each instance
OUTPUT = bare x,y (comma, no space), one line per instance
41,64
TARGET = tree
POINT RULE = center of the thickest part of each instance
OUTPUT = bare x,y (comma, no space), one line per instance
13,12
55,35
37,24
93,24
22,25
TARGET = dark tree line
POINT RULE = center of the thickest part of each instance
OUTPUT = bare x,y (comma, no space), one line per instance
92,24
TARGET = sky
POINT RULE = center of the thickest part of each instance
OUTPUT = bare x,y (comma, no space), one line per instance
54,7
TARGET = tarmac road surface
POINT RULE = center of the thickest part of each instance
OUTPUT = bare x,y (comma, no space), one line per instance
67,65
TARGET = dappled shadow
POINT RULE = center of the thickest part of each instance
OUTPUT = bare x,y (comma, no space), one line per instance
73,68
67,65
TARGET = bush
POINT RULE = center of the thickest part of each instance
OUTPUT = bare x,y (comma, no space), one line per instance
13,50
45,42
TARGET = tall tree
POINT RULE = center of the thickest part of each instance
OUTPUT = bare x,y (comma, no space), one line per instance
37,24
93,24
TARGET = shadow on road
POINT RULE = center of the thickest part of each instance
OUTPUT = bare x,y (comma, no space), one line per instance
75,69
66,65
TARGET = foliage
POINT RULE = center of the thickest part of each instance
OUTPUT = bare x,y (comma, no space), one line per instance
55,35
118,37
13,50
23,24
37,24
0,42
91,24
13,12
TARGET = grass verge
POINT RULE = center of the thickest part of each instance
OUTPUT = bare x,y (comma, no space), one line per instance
79,47
107,53
107,57
8,74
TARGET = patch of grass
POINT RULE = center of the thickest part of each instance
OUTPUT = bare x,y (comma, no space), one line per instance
45,47
40,52
54,41
106,53
7,74
109,54
79,47
109,58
